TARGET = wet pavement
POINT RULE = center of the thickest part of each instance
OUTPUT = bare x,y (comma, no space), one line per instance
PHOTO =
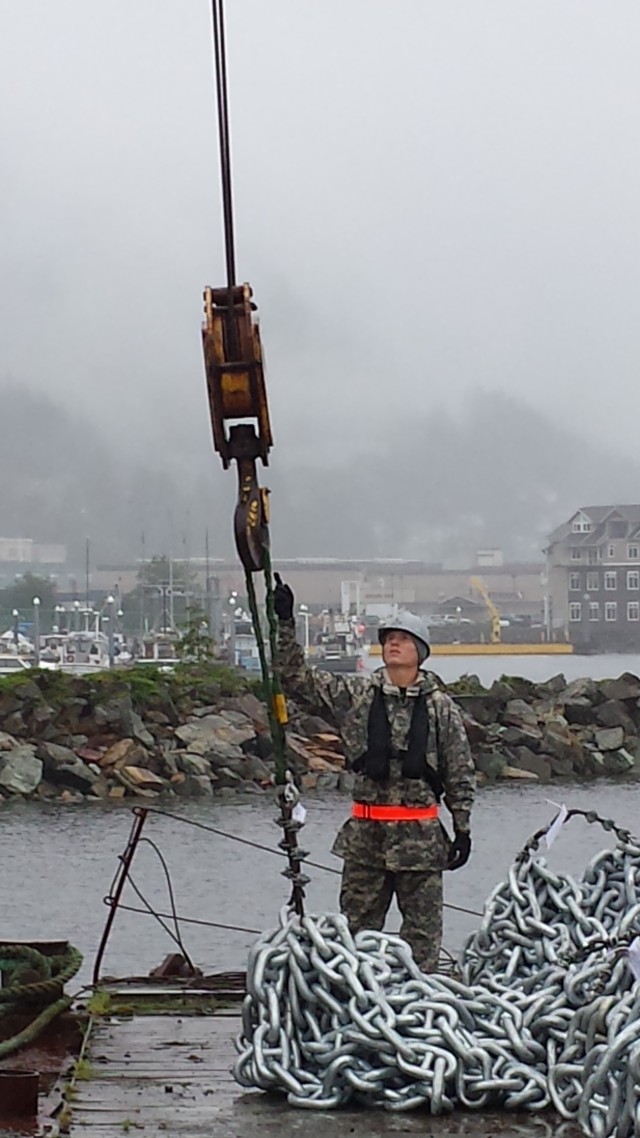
170,1075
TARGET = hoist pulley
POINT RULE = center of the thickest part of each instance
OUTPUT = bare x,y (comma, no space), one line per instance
239,409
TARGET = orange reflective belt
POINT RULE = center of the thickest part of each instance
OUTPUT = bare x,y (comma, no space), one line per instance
393,813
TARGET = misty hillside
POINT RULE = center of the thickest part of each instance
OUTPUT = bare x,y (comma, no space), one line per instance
430,487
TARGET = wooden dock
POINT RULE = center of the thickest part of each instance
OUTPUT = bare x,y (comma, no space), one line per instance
169,1074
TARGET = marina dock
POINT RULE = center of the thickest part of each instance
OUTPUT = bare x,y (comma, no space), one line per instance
158,1073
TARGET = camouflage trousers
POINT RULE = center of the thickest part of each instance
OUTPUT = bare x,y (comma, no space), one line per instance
366,894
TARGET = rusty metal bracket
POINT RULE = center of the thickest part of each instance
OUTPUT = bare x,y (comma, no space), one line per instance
113,900
239,410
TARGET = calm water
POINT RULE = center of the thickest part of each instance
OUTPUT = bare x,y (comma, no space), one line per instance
538,668
57,864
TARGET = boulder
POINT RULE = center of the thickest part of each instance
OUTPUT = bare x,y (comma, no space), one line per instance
561,768
521,737
20,770
476,732
257,771
594,762
192,786
123,752
29,692
578,709
555,685
212,732
618,762
14,724
516,772
62,767
252,708
609,739
142,779
192,764
137,730
225,777
7,742
526,760
627,686
559,742
41,715
222,752
614,713
582,688
490,763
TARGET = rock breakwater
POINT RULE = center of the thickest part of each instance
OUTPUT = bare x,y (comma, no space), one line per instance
204,732
554,730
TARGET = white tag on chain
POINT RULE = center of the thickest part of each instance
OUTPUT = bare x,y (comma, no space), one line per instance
556,825
299,813
633,952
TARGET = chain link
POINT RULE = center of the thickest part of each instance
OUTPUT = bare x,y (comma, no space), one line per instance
546,1013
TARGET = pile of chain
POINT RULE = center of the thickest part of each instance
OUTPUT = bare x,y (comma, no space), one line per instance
547,1013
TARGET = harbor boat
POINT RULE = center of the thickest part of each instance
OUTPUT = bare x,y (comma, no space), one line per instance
337,648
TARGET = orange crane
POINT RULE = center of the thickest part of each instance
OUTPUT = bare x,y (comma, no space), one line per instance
478,584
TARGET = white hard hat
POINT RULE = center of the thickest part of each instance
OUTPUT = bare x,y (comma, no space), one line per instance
406,622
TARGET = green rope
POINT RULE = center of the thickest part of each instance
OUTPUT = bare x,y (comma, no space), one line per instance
17,960
270,678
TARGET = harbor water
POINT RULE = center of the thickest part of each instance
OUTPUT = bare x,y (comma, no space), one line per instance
537,668
58,863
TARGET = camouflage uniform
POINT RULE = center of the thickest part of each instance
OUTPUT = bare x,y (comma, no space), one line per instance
383,858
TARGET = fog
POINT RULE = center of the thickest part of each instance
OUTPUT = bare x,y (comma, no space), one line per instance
436,205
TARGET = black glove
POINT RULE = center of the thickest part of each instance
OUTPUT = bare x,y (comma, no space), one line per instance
283,599
459,850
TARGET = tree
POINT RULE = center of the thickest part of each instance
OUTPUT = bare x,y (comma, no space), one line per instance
20,596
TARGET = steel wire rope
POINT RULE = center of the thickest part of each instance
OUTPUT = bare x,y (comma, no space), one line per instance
175,937
274,853
219,51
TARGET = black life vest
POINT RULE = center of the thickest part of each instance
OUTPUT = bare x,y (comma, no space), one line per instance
375,763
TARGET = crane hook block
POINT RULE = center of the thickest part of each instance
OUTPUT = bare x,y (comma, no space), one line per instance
236,388
235,374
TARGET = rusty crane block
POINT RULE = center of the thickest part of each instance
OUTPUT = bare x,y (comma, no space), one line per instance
239,409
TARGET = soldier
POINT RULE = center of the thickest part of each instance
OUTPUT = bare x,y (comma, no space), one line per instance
406,742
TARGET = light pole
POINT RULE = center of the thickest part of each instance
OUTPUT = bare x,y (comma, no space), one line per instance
36,631
76,621
16,632
304,613
111,630
233,600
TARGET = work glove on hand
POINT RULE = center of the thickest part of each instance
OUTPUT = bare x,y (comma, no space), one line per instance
283,599
459,850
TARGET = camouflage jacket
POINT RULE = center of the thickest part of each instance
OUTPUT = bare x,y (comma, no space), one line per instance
345,702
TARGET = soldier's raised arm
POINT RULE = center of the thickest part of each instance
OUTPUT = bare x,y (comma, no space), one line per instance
317,692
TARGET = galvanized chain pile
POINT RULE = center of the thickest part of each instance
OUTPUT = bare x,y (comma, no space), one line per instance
547,1013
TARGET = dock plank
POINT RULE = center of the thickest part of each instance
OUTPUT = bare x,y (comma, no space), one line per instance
142,1080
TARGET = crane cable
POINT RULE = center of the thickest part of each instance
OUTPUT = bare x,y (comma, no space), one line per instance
287,792
219,51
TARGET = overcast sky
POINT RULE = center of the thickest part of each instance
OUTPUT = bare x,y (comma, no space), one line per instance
431,196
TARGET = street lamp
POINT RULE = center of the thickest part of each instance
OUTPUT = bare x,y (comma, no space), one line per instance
304,613
16,632
111,630
233,601
36,631
76,622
